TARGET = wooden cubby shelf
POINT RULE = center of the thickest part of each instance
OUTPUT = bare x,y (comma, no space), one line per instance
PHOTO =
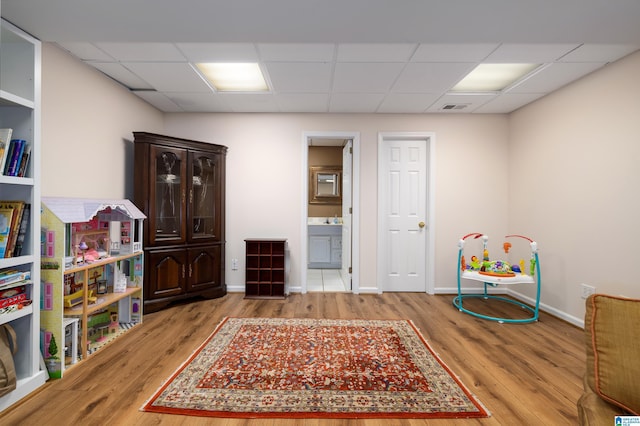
265,268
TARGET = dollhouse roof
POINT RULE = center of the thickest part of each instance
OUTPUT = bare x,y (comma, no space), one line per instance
74,210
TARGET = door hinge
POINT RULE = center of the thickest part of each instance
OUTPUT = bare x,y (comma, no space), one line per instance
350,270
350,210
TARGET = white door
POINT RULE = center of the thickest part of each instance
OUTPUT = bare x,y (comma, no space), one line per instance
347,155
402,191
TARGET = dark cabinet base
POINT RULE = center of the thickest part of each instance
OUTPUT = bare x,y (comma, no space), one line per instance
177,274
155,305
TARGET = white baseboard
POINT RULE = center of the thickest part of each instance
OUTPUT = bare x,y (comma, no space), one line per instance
578,322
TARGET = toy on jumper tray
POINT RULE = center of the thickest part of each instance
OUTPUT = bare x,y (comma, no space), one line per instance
496,268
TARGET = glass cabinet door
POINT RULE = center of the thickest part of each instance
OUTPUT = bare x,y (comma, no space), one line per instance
167,219
204,201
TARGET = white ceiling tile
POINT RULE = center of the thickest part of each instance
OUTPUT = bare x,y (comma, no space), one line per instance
193,102
599,53
169,77
407,102
365,77
157,52
384,42
121,74
241,102
464,103
302,77
453,52
530,53
298,52
158,100
430,77
309,102
219,52
508,102
355,102
86,51
555,76
375,52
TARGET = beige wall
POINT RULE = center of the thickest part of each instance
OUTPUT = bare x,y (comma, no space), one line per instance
264,169
87,120
560,170
574,184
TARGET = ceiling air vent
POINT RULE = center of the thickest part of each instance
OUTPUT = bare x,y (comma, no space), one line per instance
449,107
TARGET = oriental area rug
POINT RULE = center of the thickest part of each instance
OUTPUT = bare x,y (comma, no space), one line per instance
315,368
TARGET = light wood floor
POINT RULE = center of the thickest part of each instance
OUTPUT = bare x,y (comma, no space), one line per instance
525,374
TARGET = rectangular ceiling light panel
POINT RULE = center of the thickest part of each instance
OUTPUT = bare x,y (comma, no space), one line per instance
493,77
234,77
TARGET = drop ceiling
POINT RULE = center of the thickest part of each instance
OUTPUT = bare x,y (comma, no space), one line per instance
354,56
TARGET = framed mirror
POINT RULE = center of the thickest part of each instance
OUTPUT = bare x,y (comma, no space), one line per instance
325,185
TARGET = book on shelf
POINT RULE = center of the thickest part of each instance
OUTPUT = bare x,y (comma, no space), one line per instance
9,292
12,296
10,153
11,276
7,156
13,164
5,140
22,231
18,209
6,215
24,161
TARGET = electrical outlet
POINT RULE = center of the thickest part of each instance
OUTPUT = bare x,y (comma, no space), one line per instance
587,290
234,264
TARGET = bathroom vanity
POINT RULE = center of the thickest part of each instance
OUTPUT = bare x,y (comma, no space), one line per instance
325,244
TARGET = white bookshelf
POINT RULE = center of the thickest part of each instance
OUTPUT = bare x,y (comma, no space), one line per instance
20,110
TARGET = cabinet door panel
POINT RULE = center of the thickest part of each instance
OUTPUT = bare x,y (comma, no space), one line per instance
167,272
319,249
205,197
167,218
204,268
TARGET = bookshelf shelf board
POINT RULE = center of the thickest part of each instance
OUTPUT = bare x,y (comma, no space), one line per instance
10,316
9,99
16,180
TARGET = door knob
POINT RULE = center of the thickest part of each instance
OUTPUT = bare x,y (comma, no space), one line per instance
421,224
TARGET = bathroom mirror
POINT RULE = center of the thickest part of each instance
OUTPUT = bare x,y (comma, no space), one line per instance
325,185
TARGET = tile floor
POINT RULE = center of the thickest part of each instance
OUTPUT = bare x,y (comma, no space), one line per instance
324,280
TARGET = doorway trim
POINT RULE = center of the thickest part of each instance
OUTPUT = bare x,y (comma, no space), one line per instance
430,138
355,194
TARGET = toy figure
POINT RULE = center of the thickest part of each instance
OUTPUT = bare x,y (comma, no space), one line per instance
532,267
485,252
475,263
113,325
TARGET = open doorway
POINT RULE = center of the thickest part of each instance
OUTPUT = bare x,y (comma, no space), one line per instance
330,212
